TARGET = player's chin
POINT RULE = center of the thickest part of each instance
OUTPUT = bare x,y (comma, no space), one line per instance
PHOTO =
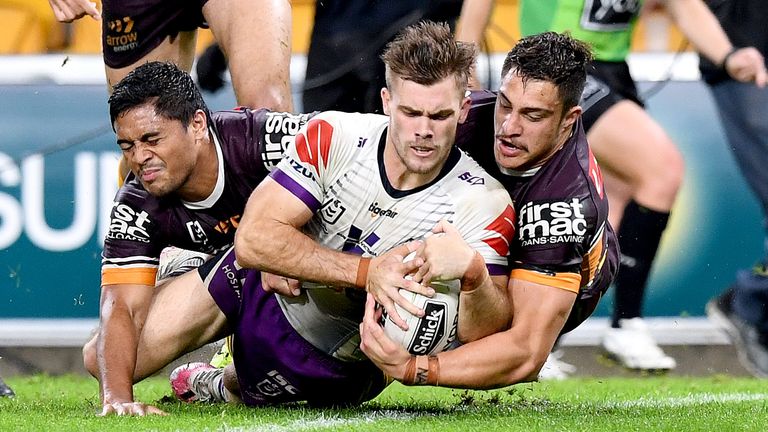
423,165
158,188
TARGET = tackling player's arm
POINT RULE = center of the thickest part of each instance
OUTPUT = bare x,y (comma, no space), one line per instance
483,305
504,358
123,312
270,238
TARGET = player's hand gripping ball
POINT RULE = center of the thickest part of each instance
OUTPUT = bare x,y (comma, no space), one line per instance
436,330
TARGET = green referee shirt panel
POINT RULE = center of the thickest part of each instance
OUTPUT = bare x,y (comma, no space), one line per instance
605,24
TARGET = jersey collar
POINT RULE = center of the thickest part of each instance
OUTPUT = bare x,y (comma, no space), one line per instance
219,188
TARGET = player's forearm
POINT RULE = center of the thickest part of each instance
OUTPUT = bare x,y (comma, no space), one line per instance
702,29
282,249
475,15
116,355
483,310
495,361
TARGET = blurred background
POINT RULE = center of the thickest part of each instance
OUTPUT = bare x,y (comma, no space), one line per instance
58,162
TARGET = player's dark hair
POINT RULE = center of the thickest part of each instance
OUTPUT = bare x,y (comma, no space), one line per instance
427,53
557,58
171,90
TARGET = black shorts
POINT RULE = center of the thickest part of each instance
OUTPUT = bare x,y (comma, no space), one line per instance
133,28
607,84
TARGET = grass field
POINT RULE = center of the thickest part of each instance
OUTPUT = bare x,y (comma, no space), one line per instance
719,404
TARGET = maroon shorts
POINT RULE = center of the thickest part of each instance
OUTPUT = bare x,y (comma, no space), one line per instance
133,28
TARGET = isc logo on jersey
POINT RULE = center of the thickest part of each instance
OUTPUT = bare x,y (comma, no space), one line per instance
127,224
551,222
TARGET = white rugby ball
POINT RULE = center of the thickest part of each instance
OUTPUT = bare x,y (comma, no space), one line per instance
436,330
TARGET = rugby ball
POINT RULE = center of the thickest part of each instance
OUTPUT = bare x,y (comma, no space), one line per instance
436,330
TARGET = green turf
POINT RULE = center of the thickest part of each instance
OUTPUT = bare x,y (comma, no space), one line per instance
613,404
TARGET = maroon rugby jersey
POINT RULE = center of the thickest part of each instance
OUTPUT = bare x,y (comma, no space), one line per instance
563,237
250,143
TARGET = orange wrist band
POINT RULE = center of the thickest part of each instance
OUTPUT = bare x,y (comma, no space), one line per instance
362,272
433,376
409,378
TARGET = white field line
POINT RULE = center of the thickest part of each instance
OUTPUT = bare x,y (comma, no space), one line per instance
690,400
333,421
329,421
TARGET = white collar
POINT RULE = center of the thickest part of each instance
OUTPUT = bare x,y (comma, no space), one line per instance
219,188
517,173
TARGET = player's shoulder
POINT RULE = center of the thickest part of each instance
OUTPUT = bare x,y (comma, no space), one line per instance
470,183
469,172
133,192
242,120
343,132
351,122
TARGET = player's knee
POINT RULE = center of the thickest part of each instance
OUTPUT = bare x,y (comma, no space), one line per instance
668,180
89,358
662,177
272,98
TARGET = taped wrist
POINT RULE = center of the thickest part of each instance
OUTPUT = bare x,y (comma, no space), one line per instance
362,272
424,374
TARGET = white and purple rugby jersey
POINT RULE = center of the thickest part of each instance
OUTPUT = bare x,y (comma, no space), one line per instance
336,168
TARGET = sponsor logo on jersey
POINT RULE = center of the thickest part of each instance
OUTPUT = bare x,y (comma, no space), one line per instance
120,35
196,232
552,222
609,15
128,224
301,169
471,179
431,328
227,225
332,210
378,211
280,130
234,282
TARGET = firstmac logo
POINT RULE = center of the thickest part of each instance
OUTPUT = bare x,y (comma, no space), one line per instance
552,222
128,224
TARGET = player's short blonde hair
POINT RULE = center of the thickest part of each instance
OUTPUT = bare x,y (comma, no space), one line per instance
426,53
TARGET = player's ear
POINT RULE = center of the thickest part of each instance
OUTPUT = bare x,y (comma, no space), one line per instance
199,124
466,103
570,117
386,98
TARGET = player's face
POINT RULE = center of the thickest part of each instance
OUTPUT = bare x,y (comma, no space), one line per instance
422,127
530,126
161,152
